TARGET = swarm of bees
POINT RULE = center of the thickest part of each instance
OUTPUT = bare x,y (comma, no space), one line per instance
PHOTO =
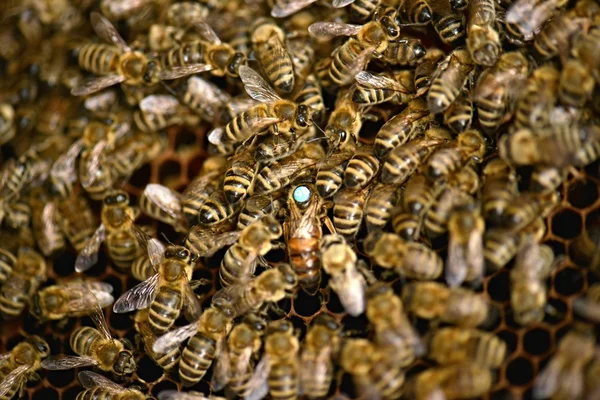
383,160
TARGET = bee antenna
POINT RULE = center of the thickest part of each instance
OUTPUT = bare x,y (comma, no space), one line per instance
317,125
316,139
167,239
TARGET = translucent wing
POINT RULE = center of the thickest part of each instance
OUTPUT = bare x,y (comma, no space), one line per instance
342,3
222,371
192,306
179,72
211,97
258,385
138,297
153,246
456,270
256,86
159,104
89,379
96,314
13,376
105,30
285,8
587,309
64,167
206,32
379,81
350,288
174,337
329,30
240,104
175,395
89,255
83,300
546,383
359,63
62,361
216,136
165,199
226,298
475,258
96,84
211,240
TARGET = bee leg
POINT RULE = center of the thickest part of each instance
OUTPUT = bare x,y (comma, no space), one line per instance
325,295
329,224
127,343
196,283
139,343
261,260
22,386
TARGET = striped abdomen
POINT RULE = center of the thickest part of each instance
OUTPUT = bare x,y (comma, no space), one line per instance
363,95
387,379
215,209
238,129
400,164
186,54
499,248
123,248
361,170
238,179
379,206
305,260
84,340
13,300
329,181
491,109
283,381
489,350
406,225
310,95
460,115
441,95
152,122
95,393
340,71
196,358
142,268
360,10
444,162
99,59
421,262
348,212
497,195
277,67
165,309
315,385
232,268
450,28
7,263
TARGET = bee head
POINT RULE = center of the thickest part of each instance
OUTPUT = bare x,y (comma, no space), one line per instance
40,345
125,363
303,116
289,275
235,63
119,197
152,69
327,321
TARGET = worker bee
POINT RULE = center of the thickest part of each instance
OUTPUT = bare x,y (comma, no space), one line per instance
207,335
556,36
499,189
348,211
533,266
376,88
167,291
340,263
200,189
536,103
460,114
448,24
239,175
457,381
256,207
362,168
406,224
239,262
119,63
167,360
448,80
344,124
28,273
576,84
163,204
69,300
321,344
407,51
465,246
456,306
375,370
236,363
468,145
415,12
379,206
425,70
274,110
8,129
277,372
452,345
97,387
563,376
94,346
526,207
528,16
160,111
483,40
402,127
405,159
18,173
584,49
20,365
45,224
330,175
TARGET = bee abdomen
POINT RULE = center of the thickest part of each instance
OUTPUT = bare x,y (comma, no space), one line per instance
406,225
95,393
441,96
398,167
342,58
283,381
347,219
490,111
196,359
388,381
304,259
372,96
281,73
237,181
329,181
450,28
164,310
83,340
232,265
122,249
443,163
361,169
360,10
169,360
7,263
189,53
98,59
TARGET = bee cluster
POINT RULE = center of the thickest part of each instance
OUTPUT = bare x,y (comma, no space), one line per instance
299,198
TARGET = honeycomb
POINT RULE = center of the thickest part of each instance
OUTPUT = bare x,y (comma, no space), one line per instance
529,349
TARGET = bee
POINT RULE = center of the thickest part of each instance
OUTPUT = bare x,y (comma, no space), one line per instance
286,114
499,189
536,102
207,336
258,206
405,224
448,80
584,49
119,63
216,209
268,42
160,111
236,363
310,94
163,37
256,240
556,36
460,114
533,266
8,129
402,127
303,232
547,179
192,395
407,51
468,145
415,12
380,204
465,246
353,56
377,88
116,10
419,195
576,84
340,263
528,16
321,344
456,306
239,175
448,24
362,168
167,360
277,372
94,346
457,381
588,306
563,376
526,207
426,69
201,188
167,291
7,264
98,387
375,370
163,204
18,173
28,274
437,216
405,159
20,365
452,345
348,211
483,40
344,124
70,299
329,177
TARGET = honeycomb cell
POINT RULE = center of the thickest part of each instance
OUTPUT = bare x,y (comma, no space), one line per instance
169,172
511,340
537,341
194,165
60,379
141,177
71,393
148,370
185,142
557,311
63,264
45,394
498,287
566,224
568,281
163,385
519,371
582,194
334,304
306,304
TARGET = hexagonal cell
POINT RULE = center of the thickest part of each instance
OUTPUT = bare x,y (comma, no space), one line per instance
71,393
511,340
537,341
186,142
169,172
334,304
566,224
60,379
556,311
582,194
148,370
141,177
195,165
306,305
519,371
162,386
498,287
568,281
45,394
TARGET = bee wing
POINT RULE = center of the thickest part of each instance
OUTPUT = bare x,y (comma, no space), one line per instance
89,379
164,198
213,241
206,32
378,81
222,371
64,166
210,96
192,306
359,63
159,104
153,246
179,72
62,361
106,30
587,309
456,270
97,156
13,376
256,86
175,395
285,8
227,296
173,338
83,300
138,297
257,385
89,255
342,3
329,30
216,136
475,258
96,84
350,287
435,394
546,383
